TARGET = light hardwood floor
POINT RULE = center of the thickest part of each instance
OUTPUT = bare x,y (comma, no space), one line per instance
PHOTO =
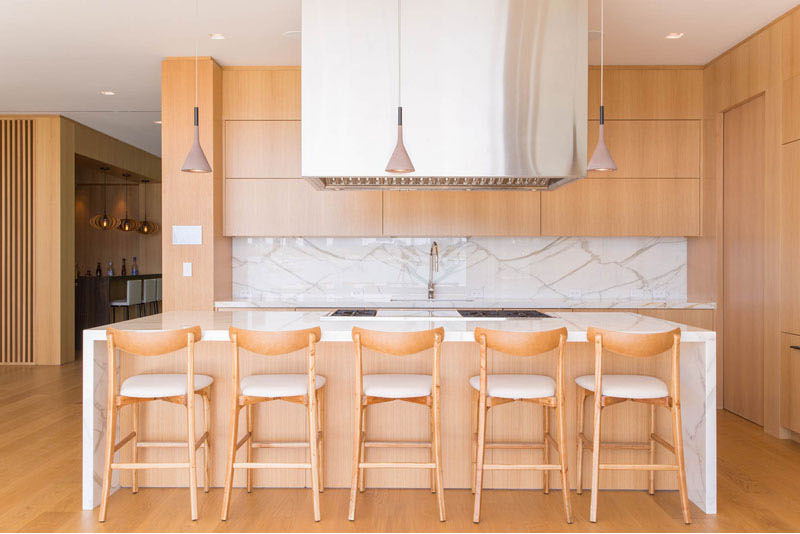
40,450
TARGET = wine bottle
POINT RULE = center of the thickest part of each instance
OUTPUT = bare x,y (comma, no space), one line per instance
98,272
110,269
134,267
124,269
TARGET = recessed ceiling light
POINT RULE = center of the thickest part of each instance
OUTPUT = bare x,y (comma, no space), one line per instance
107,92
156,122
674,35
292,34
216,36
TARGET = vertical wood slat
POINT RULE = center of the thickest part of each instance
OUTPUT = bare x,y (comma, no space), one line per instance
16,256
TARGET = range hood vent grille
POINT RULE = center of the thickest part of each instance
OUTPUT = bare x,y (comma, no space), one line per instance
338,183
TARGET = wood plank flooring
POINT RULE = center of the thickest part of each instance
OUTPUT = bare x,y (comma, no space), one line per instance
40,451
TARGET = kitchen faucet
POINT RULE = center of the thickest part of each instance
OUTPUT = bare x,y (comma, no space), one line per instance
434,267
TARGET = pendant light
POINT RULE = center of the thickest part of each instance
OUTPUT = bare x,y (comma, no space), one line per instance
601,159
147,227
126,224
196,159
104,221
399,163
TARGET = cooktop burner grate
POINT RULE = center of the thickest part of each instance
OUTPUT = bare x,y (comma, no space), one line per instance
512,314
354,313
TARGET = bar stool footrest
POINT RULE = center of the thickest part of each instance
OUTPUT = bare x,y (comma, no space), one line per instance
402,465
519,467
638,467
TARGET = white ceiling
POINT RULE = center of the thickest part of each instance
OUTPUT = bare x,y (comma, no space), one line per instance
56,55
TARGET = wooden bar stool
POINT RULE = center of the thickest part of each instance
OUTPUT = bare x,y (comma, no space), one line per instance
414,388
494,390
151,387
620,388
254,389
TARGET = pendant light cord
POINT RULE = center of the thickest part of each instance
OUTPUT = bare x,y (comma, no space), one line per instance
399,59
197,24
602,50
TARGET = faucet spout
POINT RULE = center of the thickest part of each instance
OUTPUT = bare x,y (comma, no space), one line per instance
433,267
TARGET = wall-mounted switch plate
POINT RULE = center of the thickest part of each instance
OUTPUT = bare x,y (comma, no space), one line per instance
187,268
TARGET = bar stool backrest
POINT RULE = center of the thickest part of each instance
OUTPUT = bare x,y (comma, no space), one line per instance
521,343
635,345
274,343
153,343
133,292
149,294
398,343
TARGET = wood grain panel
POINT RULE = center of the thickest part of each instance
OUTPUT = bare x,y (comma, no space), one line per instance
16,248
790,377
292,207
461,213
261,93
598,207
650,149
743,263
102,147
790,238
790,44
700,318
262,149
791,110
648,93
396,420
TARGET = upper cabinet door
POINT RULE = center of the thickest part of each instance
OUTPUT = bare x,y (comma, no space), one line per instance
262,149
261,93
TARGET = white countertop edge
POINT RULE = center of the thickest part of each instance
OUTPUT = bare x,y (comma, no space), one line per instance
455,303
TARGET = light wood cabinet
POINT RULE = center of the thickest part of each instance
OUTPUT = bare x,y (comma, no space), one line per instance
461,213
292,207
643,207
650,149
790,238
790,378
262,149
261,93
791,110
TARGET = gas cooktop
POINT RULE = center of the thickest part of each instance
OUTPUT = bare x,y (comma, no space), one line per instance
354,313
512,314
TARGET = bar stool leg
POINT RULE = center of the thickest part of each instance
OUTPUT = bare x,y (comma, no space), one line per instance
476,515
562,454
313,451
111,431
677,437
579,456
190,439
475,395
233,438
356,456
135,445
595,459
362,453
249,416
652,487
437,426
206,444
432,456
321,434
546,449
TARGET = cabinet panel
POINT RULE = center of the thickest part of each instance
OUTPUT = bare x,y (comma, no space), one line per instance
790,238
791,110
291,207
607,207
461,213
262,149
790,375
650,149
636,93
261,93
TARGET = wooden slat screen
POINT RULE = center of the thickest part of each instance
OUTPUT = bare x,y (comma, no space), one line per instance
16,241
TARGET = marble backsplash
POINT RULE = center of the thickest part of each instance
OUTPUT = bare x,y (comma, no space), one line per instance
532,268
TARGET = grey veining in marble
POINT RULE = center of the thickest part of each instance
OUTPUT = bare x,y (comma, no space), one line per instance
536,268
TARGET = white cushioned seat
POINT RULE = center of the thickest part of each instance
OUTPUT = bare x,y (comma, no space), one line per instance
160,385
278,385
516,386
397,386
627,386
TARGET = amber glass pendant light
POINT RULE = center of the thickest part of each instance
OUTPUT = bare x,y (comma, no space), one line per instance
127,224
147,227
104,221
400,162
601,159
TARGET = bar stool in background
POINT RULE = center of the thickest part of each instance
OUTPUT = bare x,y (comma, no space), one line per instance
414,388
493,390
620,388
254,389
133,297
150,387
149,296
158,295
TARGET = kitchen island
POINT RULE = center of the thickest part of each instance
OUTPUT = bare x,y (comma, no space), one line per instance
335,361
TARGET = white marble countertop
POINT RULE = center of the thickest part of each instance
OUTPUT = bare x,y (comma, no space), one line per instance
452,303
215,324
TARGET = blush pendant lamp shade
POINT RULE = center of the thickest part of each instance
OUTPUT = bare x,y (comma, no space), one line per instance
196,160
400,162
601,158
